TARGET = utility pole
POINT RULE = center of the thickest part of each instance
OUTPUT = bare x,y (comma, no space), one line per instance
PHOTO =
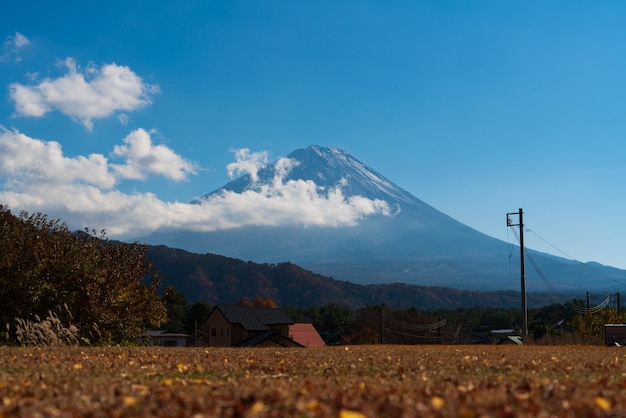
439,333
520,224
381,324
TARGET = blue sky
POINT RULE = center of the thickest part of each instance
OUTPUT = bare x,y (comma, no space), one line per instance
116,114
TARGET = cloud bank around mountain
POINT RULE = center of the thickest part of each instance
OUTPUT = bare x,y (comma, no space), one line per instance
36,176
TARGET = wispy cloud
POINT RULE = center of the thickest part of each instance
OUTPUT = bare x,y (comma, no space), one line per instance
36,176
84,95
12,46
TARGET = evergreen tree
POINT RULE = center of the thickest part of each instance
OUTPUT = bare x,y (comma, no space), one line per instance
176,306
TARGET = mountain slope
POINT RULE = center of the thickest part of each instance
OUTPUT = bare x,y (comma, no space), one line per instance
415,244
222,280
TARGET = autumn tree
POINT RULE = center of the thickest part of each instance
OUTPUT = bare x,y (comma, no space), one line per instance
258,302
109,288
589,328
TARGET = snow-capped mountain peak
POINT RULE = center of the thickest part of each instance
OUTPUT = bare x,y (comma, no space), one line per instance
329,169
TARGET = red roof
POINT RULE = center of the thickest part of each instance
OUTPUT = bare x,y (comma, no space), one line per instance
306,335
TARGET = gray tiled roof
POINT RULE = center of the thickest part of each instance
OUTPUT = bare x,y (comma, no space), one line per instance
254,319
272,316
243,315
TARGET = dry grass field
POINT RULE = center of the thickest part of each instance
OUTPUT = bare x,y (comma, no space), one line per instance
347,382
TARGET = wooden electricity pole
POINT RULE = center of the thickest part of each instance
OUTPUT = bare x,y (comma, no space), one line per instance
381,324
520,224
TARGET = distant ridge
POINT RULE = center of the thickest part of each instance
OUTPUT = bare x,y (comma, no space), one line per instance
416,245
222,280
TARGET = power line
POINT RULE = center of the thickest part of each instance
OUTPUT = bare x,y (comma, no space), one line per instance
575,260
570,305
424,337
426,327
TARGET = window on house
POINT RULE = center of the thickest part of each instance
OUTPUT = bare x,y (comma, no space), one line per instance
213,332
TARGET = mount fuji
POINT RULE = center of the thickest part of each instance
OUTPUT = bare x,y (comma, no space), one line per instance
405,241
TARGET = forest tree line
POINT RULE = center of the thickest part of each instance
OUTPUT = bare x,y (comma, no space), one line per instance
343,325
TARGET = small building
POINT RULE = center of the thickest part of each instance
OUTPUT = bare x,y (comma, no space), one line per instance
505,336
306,334
244,326
164,338
615,333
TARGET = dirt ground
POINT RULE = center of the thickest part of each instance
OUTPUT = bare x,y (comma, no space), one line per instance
346,382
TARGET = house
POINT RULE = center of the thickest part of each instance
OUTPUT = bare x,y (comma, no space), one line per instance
505,336
306,334
244,326
615,334
163,338
511,340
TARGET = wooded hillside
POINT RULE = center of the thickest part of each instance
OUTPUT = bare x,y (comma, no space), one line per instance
221,280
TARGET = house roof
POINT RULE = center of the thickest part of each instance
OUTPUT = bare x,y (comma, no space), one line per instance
242,315
306,335
274,337
503,331
254,319
273,316
511,339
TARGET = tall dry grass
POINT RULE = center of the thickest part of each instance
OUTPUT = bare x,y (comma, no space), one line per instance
48,331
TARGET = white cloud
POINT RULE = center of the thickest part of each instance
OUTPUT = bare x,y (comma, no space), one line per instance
84,96
143,157
295,202
37,177
27,162
12,46
247,163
